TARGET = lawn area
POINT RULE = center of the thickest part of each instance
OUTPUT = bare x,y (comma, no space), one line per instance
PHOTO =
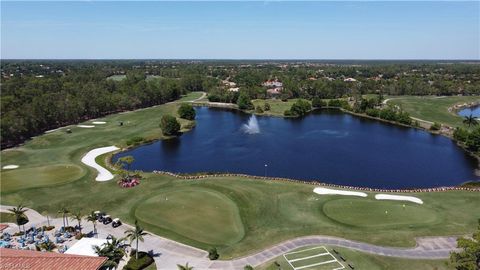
6,217
270,211
191,96
361,260
237,215
277,107
219,223
54,158
433,109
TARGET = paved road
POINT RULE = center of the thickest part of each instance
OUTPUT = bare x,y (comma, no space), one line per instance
170,253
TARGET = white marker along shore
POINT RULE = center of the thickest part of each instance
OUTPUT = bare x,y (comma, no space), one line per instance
89,160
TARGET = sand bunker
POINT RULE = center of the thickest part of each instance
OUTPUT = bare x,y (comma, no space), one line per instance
9,167
85,126
398,198
328,191
98,122
89,160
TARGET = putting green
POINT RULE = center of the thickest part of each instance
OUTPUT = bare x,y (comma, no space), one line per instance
200,214
372,213
39,176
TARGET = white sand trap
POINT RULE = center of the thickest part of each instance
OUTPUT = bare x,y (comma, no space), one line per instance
89,160
98,122
9,167
398,198
328,191
85,126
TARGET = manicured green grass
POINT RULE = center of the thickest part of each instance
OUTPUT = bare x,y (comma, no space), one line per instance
191,96
40,176
54,158
6,217
277,107
117,77
269,211
367,213
433,109
215,221
362,260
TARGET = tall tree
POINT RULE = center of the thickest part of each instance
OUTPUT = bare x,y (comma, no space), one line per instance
470,120
136,235
78,216
64,212
93,218
114,250
20,217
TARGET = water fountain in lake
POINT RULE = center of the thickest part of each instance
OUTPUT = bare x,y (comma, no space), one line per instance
252,126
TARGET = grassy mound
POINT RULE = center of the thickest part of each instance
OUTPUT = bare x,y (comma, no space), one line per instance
39,176
373,213
199,214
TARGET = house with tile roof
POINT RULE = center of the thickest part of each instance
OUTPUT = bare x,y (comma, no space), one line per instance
36,260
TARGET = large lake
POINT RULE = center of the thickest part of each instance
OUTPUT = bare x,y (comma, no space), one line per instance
328,146
475,111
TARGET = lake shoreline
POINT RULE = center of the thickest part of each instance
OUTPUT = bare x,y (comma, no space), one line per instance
186,130
363,115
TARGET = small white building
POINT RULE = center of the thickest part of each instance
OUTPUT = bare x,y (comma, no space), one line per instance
349,80
85,246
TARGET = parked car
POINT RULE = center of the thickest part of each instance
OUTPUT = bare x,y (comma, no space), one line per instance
116,222
106,219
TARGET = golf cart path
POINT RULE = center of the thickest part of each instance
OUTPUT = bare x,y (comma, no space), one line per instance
204,94
384,102
169,253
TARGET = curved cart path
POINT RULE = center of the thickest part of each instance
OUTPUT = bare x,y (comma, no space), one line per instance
170,253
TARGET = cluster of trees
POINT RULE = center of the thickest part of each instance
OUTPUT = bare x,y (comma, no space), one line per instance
391,114
471,139
33,105
468,257
300,108
244,102
42,95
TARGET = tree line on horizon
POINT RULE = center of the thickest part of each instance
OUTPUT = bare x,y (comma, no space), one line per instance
41,95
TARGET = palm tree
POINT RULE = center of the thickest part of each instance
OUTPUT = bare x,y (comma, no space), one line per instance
64,211
136,234
470,120
184,267
78,217
113,250
19,213
93,218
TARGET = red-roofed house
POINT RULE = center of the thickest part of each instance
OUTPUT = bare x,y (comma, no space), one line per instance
35,260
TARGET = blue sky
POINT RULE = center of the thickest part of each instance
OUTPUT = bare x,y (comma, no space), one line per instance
241,30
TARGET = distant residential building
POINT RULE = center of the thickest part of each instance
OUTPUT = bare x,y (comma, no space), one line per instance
233,89
272,84
349,80
274,91
228,83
